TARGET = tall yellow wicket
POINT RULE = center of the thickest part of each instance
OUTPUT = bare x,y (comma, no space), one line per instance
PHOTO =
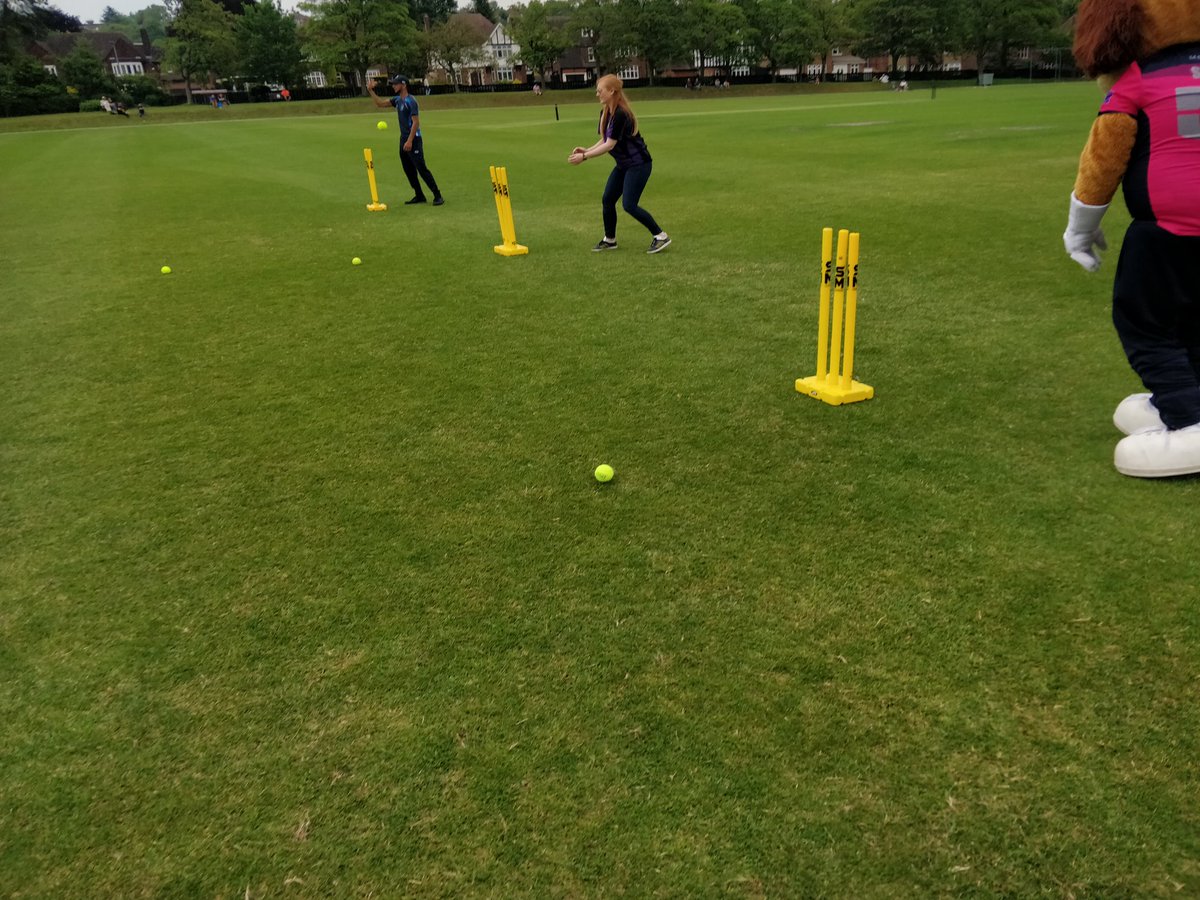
508,231
374,205
833,382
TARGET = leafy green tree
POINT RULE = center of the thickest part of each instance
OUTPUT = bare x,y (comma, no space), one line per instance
153,19
453,46
612,37
200,42
267,45
27,89
84,70
992,28
656,31
783,32
538,30
21,20
354,35
487,9
142,89
716,31
432,11
832,27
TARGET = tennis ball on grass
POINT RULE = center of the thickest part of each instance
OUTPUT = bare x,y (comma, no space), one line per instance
356,261
166,270
604,473
381,125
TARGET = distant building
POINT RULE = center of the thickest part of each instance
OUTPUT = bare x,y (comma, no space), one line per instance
121,57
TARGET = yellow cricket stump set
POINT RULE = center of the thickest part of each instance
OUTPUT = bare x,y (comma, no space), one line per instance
374,205
508,231
833,382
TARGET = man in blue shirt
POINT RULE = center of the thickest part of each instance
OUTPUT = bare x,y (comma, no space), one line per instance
412,150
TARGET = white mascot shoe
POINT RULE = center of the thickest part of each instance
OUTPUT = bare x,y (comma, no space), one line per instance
1136,413
1159,453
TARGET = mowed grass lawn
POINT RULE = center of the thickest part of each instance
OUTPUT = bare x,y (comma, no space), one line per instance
307,588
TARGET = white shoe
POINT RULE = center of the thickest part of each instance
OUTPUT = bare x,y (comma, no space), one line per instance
1136,413
1159,453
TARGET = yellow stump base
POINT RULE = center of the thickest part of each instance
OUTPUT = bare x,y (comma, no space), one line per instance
833,393
511,249
377,207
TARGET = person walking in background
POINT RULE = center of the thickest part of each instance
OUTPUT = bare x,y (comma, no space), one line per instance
619,136
412,148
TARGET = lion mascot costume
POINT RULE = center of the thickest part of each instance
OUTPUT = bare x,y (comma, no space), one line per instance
1146,138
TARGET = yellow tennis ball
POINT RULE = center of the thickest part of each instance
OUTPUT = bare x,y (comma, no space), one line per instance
381,125
356,261
166,270
604,473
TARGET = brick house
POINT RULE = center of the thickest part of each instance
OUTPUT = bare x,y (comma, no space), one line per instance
121,57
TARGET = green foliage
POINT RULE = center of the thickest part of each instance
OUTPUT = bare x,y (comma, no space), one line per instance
27,89
142,89
541,41
84,70
612,34
656,31
152,18
354,35
783,32
993,28
487,9
268,46
716,30
201,41
436,11
453,46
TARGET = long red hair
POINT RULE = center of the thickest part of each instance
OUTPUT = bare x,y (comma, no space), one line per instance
618,99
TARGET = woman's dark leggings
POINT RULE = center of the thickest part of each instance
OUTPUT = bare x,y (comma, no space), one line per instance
627,184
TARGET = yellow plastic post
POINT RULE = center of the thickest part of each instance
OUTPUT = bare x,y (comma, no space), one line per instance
374,205
834,381
823,305
839,300
508,230
851,312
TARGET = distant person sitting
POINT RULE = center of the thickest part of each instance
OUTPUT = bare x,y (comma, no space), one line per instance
120,110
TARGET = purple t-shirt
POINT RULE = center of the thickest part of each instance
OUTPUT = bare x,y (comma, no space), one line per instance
1162,181
630,149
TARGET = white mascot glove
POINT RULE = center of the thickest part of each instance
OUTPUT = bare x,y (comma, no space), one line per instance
1083,233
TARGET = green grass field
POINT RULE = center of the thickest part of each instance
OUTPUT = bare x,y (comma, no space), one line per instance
307,590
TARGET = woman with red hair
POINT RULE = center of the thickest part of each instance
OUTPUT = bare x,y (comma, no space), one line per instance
619,137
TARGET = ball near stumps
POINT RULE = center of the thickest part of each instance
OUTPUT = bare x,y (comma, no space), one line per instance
381,125
356,261
166,270
604,473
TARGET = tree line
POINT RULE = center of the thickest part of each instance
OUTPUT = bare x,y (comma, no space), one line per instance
243,41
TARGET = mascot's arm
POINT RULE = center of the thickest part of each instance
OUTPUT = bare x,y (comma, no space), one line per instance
1101,168
1105,158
